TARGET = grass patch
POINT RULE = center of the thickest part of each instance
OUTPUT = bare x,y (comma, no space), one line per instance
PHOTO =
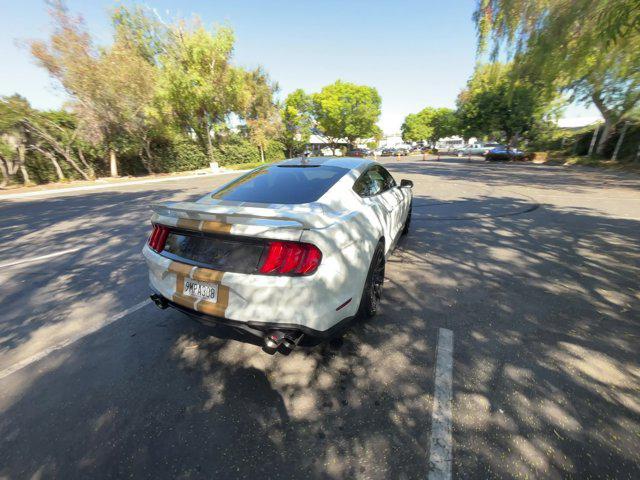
603,163
557,158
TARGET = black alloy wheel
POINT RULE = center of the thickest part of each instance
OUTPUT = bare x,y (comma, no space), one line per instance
407,222
373,286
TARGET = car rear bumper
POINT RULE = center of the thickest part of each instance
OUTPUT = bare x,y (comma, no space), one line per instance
256,327
308,304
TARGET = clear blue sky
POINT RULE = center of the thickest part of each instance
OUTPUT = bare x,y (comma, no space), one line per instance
417,53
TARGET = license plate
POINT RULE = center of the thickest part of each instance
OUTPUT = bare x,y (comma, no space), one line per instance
206,291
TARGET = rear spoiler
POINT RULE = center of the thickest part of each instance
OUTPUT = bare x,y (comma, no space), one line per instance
276,216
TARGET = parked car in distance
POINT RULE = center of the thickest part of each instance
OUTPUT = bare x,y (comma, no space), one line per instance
359,152
476,149
402,150
490,146
290,249
388,151
504,153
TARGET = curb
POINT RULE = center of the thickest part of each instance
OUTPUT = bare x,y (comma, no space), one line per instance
12,196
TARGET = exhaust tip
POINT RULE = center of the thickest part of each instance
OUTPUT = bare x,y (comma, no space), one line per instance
160,301
274,339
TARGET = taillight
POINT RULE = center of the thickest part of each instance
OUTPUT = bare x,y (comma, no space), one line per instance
158,237
291,258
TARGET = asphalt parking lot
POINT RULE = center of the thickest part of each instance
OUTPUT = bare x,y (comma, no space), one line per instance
532,270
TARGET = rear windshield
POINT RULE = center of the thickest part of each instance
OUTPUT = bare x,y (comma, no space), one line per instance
282,184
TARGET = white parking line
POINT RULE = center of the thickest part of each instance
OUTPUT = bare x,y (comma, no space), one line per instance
440,453
114,185
74,338
37,259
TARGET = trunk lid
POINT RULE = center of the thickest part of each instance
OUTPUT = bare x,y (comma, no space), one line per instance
231,236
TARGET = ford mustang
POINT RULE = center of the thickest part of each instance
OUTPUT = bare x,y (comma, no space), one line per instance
289,249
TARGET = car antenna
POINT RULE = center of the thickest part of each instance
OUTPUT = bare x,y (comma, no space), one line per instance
304,158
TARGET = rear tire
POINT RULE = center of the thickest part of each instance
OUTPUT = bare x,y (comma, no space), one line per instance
372,291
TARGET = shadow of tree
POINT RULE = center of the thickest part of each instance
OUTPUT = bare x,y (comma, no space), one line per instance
103,277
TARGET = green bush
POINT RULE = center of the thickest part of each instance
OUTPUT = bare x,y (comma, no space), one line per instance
236,149
169,154
179,155
274,152
40,170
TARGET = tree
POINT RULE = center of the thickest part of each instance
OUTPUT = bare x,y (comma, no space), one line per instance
415,128
262,115
141,30
51,134
111,88
297,119
346,110
13,138
54,134
198,87
590,48
612,83
494,103
429,124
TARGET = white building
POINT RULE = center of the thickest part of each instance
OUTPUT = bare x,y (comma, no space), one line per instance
391,140
454,142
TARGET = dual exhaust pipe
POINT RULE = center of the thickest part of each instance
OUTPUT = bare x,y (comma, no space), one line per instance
274,339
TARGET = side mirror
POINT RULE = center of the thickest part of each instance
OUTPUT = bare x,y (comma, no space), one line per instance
404,183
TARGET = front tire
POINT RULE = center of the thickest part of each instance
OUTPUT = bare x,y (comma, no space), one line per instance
407,222
372,291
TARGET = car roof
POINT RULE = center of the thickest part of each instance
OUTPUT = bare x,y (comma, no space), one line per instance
351,163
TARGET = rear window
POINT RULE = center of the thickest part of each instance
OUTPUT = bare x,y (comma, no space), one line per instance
282,184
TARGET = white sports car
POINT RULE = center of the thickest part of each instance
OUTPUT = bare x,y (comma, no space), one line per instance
289,249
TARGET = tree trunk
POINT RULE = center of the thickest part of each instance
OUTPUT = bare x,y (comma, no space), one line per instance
23,170
619,142
606,133
25,175
593,140
207,133
609,122
149,158
67,156
91,172
261,153
5,174
56,166
113,164
54,162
